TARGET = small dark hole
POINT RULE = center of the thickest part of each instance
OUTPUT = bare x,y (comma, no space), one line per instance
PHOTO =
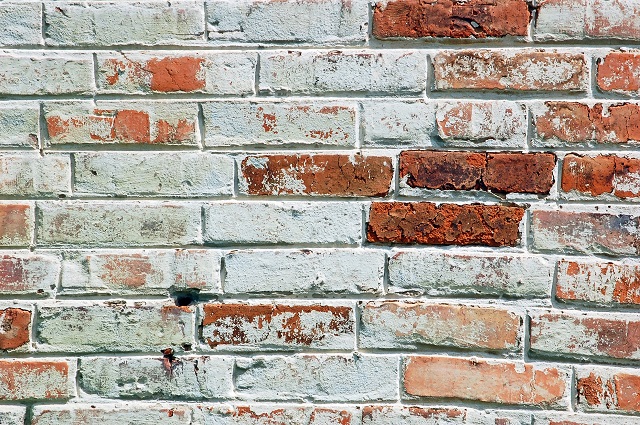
94,172
186,346
185,299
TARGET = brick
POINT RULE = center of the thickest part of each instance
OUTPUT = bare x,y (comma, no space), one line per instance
608,390
436,273
478,171
605,337
267,327
319,174
354,378
19,124
496,381
149,272
410,325
557,418
119,123
16,328
585,232
570,123
316,73
330,22
603,283
191,378
110,414
279,124
444,224
256,414
513,71
16,224
390,122
40,73
21,23
117,224
382,415
602,174
618,72
559,20
144,73
12,415
112,326
29,379
118,24
446,18
303,272
282,223
499,124
147,174
34,175
28,274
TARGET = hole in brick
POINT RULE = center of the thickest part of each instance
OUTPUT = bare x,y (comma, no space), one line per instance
62,195
186,346
184,299
94,172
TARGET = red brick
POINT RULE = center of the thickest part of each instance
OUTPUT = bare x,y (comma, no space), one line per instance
338,175
485,381
592,175
609,390
450,18
574,122
379,415
15,327
28,273
521,71
620,72
279,415
446,224
34,380
520,172
15,224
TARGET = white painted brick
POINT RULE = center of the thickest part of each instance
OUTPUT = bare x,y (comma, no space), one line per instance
282,223
276,414
117,224
191,378
409,123
303,272
582,419
326,22
24,273
19,124
559,20
12,415
313,72
110,414
356,378
116,23
30,174
20,23
112,326
434,415
153,174
445,274
45,73
276,124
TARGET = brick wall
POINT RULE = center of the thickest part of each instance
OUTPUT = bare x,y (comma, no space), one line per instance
318,212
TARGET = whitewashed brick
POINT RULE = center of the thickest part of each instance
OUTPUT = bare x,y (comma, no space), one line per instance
34,175
12,415
21,24
409,123
19,124
24,273
280,414
110,414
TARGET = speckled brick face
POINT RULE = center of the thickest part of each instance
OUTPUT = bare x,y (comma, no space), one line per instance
320,212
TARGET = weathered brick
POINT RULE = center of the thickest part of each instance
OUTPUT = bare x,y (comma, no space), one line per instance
117,224
256,414
495,381
282,223
110,414
557,418
383,415
302,272
146,174
40,73
492,124
495,172
437,273
409,325
267,327
356,378
16,224
19,124
34,175
143,73
505,70
113,326
586,232
115,123
559,123
28,274
604,337
29,379
16,328
319,174
393,123
608,389
618,72
445,224
116,23
149,272
315,73
603,283
277,124
447,18
328,22
21,23
191,378
602,174
12,415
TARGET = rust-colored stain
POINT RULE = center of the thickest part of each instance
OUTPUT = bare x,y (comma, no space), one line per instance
126,270
176,74
228,323
269,121
14,328
445,224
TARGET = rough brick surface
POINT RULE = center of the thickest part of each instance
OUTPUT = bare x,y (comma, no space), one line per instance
28,274
109,414
16,328
31,379
607,389
602,174
618,72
